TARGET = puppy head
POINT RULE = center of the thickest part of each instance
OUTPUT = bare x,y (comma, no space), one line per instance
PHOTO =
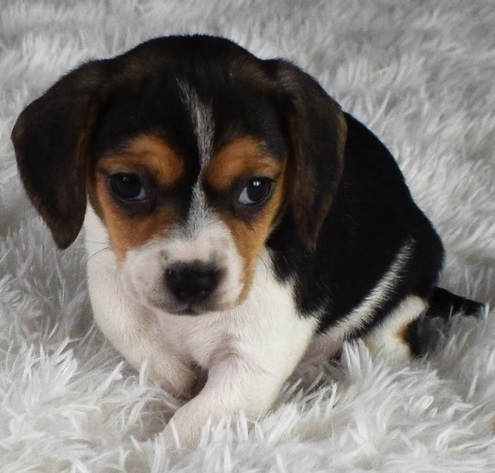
190,150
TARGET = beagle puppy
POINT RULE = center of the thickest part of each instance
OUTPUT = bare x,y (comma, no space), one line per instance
236,220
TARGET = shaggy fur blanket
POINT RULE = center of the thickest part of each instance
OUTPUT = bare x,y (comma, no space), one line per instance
421,75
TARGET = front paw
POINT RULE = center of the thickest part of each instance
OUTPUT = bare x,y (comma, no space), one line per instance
179,380
193,420
182,432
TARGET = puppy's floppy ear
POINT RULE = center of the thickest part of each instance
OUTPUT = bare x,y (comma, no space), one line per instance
50,139
317,134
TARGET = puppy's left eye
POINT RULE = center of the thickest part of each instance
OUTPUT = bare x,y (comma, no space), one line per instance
256,191
127,186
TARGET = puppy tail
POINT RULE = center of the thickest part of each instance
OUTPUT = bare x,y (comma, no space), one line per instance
425,333
444,304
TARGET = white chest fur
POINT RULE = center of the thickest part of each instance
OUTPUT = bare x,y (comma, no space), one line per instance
265,330
264,327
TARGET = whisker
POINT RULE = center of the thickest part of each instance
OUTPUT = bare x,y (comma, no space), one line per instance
98,252
99,242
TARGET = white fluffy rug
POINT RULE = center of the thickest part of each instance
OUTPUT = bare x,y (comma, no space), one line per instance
422,75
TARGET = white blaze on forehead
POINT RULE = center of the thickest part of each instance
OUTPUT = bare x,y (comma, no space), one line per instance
202,120
204,130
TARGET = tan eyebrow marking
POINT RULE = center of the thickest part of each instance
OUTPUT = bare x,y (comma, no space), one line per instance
145,153
240,158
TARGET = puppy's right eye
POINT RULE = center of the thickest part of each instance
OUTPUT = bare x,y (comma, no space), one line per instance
127,186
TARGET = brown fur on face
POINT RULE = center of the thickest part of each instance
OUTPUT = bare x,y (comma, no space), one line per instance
147,154
251,236
242,157
144,154
247,158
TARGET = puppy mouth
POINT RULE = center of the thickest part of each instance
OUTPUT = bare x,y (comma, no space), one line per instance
195,309
188,310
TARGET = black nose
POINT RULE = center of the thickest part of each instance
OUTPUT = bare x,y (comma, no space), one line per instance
191,283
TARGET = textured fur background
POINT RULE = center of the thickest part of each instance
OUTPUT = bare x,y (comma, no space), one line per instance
422,75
